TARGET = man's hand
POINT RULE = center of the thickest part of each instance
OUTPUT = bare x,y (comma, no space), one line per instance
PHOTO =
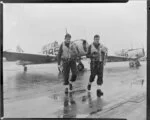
60,68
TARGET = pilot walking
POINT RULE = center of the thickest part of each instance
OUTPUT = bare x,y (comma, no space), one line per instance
97,53
67,56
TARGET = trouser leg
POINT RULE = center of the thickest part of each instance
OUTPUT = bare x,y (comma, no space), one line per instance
73,70
93,72
66,72
100,78
100,74
92,76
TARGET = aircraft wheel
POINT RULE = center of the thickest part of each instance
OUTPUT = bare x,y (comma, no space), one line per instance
137,64
131,64
80,67
25,69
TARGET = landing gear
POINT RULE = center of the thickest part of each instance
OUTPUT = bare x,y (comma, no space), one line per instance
135,63
25,68
131,64
80,66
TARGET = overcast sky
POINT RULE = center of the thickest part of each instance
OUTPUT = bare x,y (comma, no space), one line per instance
120,25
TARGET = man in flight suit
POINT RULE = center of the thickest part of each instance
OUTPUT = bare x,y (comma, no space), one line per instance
97,53
67,56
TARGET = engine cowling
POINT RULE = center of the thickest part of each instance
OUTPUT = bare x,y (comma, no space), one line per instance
82,46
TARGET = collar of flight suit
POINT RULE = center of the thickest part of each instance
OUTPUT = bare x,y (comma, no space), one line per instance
96,45
67,44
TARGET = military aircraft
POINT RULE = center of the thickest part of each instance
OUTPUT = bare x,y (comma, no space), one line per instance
49,54
134,55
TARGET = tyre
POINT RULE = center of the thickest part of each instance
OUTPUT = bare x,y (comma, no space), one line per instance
80,67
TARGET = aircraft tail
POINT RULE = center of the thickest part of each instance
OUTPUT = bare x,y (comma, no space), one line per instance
143,51
19,49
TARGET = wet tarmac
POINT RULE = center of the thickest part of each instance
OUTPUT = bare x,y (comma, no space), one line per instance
39,92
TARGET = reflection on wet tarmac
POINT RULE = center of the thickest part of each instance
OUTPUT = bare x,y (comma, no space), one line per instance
70,107
94,105
30,81
45,80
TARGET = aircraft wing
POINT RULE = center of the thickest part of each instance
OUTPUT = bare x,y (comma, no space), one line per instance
132,54
117,58
28,58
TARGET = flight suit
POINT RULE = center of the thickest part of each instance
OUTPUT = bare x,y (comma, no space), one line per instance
68,55
97,63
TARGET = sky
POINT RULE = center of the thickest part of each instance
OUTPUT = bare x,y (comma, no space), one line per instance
120,25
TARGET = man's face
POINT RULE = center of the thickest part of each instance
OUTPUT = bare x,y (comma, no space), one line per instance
96,40
67,39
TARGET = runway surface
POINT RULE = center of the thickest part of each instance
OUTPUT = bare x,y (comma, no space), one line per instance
39,92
